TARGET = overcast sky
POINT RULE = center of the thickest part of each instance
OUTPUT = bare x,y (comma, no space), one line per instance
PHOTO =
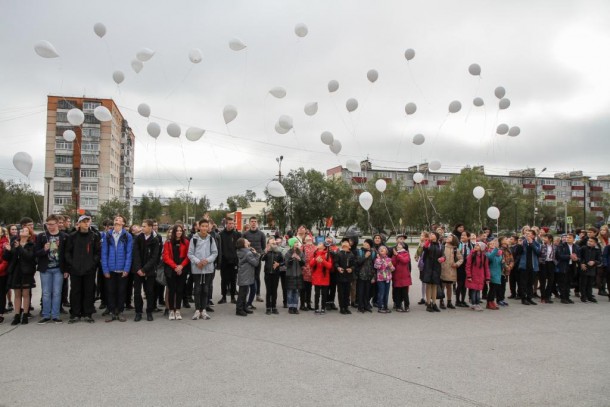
550,56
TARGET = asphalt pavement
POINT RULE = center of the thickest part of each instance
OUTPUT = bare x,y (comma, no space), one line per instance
545,355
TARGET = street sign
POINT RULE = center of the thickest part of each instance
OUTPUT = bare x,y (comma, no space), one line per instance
569,220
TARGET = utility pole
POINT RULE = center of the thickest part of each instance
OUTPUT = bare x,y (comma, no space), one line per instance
279,161
188,191
536,194
48,179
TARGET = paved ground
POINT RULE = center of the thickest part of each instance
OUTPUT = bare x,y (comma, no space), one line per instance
548,355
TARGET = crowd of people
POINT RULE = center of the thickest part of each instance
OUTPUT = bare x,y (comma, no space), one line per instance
115,265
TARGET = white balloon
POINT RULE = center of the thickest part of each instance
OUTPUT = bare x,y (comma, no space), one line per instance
145,54
333,86
285,122
502,129
195,55
500,92
474,69
276,189
99,29
229,113
372,75
300,30
419,139
45,49
76,117
69,136
327,138
173,129
351,105
418,177
144,110
352,166
280,129
381,185
504,103
514,131
366,200
311,108
153,129
493,212
335,147
478,192
23,163
410,108
137,65
434,165
455,106
478,102
194,133
410,54
118,77
278,92
236,44
102,114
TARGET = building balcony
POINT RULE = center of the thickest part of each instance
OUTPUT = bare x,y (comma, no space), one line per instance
529,186
359,180
548,187
597,209
443,182
578,198
597,189
549,197
596,198
578,187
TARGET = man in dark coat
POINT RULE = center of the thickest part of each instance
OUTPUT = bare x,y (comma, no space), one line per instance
146,250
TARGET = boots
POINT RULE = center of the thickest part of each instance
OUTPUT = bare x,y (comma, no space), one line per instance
492,305
17,319
450,305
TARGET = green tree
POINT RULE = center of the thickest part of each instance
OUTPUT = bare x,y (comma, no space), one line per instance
196,206
149,207
18,201
108,210
241,201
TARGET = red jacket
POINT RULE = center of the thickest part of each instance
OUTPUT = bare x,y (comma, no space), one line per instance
3,263
320,272
168,253
401,277
477,270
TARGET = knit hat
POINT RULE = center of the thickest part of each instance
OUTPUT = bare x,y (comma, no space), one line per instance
370,242
292,241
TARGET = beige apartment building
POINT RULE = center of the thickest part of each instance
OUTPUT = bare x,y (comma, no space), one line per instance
94,168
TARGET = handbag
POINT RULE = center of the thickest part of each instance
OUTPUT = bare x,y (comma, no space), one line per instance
440,293
160,277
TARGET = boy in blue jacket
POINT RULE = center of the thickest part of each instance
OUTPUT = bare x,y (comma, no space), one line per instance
117,247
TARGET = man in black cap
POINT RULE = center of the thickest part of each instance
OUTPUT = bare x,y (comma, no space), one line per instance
82,256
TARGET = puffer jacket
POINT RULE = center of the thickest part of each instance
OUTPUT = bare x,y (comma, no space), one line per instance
477,270
495,265
320,271
247,262
366,265
402,273
269,258
116,258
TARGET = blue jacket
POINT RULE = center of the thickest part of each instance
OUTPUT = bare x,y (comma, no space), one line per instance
495,266
522,250
116,258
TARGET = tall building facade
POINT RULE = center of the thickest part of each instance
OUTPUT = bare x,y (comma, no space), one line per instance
94,168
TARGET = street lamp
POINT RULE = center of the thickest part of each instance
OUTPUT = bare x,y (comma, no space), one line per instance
188,191
536,194
48,179
279,162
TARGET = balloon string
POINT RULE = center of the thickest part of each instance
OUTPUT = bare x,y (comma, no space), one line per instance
186,175
480,220
243,88
34,198
476,92
402,135
421,193
438,132
235,146
388,211
171,92
416,84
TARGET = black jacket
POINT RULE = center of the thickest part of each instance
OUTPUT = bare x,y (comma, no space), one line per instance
82,253
271,257
562,255
345,260
43,255
228,252
22,260
588,254
146,254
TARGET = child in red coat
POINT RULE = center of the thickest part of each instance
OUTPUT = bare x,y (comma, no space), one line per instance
321,263
477,274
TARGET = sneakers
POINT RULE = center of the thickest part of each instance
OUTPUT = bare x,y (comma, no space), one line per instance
44,321
172,316
223,300
73,319
259,299
138,317
121,318
317,312
204,315
268,312
450,305
478,308
89,320
421,302
178,316
149,317
274,311
196,315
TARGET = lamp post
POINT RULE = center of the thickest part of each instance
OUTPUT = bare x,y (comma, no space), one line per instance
48,179
584,202
188,191
536,194
279,162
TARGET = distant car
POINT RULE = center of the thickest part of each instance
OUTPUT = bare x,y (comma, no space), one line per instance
164,227
353,231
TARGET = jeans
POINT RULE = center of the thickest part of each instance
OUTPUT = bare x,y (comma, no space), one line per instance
383,290
293,298
475,297
52,281
252,293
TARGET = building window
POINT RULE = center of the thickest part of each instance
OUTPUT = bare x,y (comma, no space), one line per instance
88,187
92,132
62,200
85,201
62,117
63,172
89,159
90,146
63,159
90,105
63,145
88,173
90,118
65,104
62,186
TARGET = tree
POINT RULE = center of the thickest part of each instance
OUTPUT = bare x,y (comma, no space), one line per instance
241,201
150,207
110,209
196,206
18,201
